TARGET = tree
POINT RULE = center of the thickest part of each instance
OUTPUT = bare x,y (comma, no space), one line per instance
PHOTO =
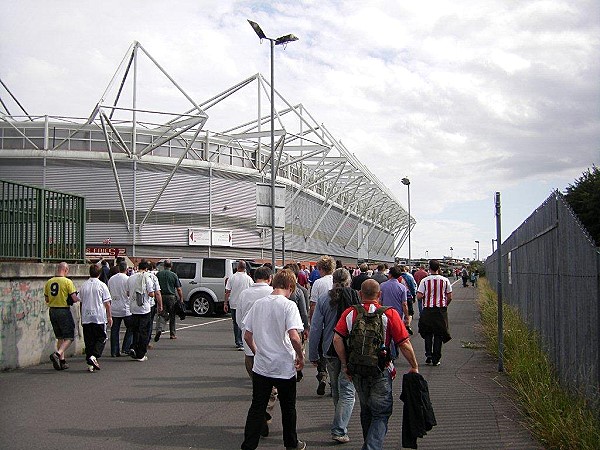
584,198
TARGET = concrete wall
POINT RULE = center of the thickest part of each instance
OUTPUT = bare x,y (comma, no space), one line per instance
26,336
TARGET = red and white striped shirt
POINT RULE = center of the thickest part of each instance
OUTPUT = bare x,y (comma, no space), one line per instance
435,289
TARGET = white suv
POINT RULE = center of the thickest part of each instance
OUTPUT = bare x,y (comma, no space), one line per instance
203,282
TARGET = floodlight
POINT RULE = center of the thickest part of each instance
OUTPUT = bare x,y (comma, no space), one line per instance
285,39
256,27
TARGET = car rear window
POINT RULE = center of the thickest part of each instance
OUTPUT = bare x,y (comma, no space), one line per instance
185,270
213,268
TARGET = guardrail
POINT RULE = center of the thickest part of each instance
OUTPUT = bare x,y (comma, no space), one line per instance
41,224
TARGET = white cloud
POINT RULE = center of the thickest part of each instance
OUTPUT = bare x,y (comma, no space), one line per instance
466,97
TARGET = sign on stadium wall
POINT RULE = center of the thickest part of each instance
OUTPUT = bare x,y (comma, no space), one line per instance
208,237
104,252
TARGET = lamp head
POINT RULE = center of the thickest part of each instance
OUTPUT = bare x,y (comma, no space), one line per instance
405,181
285,39
256,27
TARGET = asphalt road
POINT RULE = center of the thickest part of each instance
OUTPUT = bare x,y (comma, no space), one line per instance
194,393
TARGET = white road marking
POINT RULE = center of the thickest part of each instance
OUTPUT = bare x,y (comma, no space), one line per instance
202,324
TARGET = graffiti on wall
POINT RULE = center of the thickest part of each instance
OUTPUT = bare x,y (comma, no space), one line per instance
25,329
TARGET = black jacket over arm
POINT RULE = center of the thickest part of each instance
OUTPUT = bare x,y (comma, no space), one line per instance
418,417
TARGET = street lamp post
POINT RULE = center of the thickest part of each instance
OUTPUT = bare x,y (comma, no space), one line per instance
296,217
451,254
279,41
477,242
406,182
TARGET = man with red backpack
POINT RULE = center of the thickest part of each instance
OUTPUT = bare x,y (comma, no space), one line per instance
371,368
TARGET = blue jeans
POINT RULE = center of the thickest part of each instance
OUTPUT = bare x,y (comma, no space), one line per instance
114,335
376,404
237,331
342,391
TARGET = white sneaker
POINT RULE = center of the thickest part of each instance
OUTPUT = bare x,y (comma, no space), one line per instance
301,446
90,368
341,439
92,361
145,358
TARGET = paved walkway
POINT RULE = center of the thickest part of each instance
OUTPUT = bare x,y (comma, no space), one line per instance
193,392
471,399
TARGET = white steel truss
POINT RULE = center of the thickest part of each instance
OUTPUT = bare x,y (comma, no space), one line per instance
309,160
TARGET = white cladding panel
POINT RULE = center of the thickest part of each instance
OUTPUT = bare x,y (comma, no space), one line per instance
192,199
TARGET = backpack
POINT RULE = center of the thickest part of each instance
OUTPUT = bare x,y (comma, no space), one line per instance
367,353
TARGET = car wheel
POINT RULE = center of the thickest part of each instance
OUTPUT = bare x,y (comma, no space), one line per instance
202,305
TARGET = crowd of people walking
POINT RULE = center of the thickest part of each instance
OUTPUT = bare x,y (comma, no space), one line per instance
132,300
332,309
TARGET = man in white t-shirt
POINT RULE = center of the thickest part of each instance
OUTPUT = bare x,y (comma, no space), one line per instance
119,309
95,313
320,290
233,288
260,289
140,290
321,286
272,331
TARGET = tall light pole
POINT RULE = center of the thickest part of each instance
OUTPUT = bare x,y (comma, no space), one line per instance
296,217
406,182
451,254
477,242
279,41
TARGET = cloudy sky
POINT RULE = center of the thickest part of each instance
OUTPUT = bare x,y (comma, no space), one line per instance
466,98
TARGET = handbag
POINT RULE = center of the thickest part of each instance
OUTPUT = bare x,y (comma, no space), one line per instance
180,310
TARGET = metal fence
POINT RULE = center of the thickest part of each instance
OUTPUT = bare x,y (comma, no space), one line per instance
551,273
41,224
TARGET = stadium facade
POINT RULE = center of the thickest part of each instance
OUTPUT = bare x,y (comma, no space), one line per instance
160,184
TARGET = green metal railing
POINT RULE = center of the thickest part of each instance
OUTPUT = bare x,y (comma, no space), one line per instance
41,224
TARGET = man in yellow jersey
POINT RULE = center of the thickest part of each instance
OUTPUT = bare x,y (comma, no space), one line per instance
60,294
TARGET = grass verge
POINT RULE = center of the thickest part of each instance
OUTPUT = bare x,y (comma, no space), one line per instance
558,419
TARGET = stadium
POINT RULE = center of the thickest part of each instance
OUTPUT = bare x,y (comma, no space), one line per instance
160,184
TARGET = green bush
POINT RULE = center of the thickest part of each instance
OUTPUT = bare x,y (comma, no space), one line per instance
584,198
559,419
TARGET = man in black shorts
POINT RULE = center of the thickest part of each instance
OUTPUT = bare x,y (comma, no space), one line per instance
60,294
